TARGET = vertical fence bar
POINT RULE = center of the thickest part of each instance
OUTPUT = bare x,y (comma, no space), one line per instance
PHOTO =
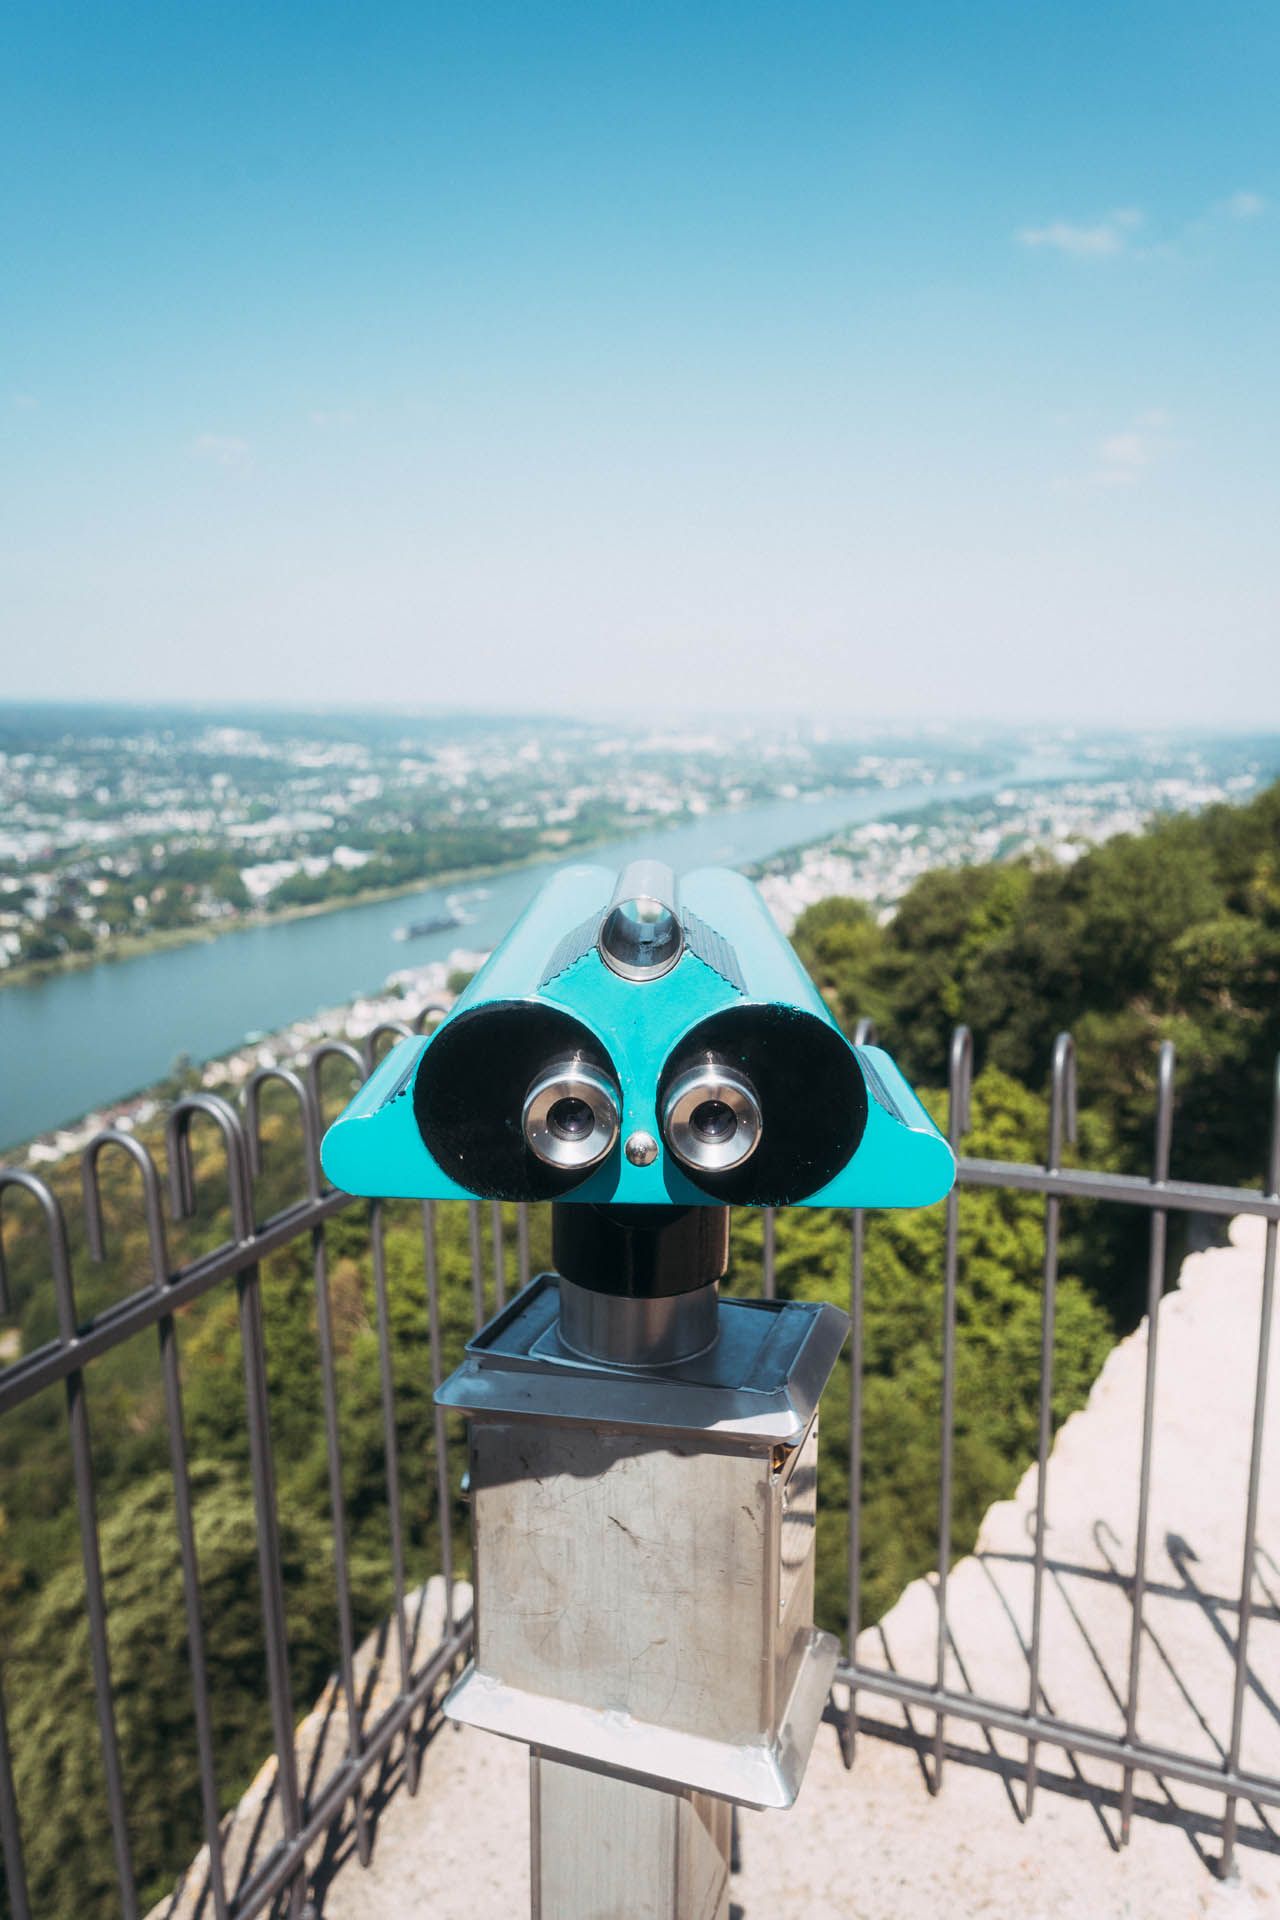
318,1055
856,1362
330,1050
522,1242
864,1035
393,1030
1245,1614
257,1407
338,1509
174,1421
1155,1288
262,1473
391,1449
306,1099
1062,1125
477,1264
959,1085
96,1606
769,1255
90,1553
176,1433
15,1870
499,1257
443,1498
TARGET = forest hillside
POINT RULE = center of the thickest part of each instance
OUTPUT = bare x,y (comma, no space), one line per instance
1171,934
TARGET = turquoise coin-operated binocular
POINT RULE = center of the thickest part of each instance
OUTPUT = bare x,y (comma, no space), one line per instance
642,1454
641,1044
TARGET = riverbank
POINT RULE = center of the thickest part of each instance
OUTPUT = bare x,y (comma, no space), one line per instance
71,1043
406,993
131,946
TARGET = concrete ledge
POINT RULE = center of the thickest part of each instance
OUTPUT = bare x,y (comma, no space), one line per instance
253,1826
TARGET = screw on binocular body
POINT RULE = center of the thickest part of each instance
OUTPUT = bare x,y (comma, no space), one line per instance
641,1148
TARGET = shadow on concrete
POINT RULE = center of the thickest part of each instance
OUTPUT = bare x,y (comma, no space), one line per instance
1092,1621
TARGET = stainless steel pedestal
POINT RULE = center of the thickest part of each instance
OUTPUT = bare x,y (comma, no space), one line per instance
608,1849
644,1546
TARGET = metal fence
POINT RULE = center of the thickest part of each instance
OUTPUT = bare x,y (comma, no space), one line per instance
281,1878
1159,1196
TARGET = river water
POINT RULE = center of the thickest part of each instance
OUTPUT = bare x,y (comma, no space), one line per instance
80,1040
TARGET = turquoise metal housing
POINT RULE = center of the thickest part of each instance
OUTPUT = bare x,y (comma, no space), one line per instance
375,1146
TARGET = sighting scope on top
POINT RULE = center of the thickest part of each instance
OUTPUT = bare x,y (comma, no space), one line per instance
637,1042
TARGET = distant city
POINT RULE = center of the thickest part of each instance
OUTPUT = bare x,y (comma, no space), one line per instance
125,834
120,828
123,829
879,860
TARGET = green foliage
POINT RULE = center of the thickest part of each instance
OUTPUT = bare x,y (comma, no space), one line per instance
999,1297
842,947
1172,934
58,1762
43,1632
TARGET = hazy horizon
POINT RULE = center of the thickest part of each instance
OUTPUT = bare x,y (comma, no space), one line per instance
639,715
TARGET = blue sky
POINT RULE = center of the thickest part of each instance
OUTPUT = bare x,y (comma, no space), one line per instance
915,360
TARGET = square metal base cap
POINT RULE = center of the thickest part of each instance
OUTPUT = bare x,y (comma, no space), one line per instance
762,1775
757,1387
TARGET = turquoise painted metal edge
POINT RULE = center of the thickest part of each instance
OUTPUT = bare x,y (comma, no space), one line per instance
374,1146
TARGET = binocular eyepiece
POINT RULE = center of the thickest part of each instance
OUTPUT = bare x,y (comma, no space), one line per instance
635,1043
571,1116
710,1120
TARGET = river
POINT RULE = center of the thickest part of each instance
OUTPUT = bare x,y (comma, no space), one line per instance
79,1040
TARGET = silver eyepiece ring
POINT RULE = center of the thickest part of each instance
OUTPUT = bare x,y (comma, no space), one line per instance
711,1118
571,1115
